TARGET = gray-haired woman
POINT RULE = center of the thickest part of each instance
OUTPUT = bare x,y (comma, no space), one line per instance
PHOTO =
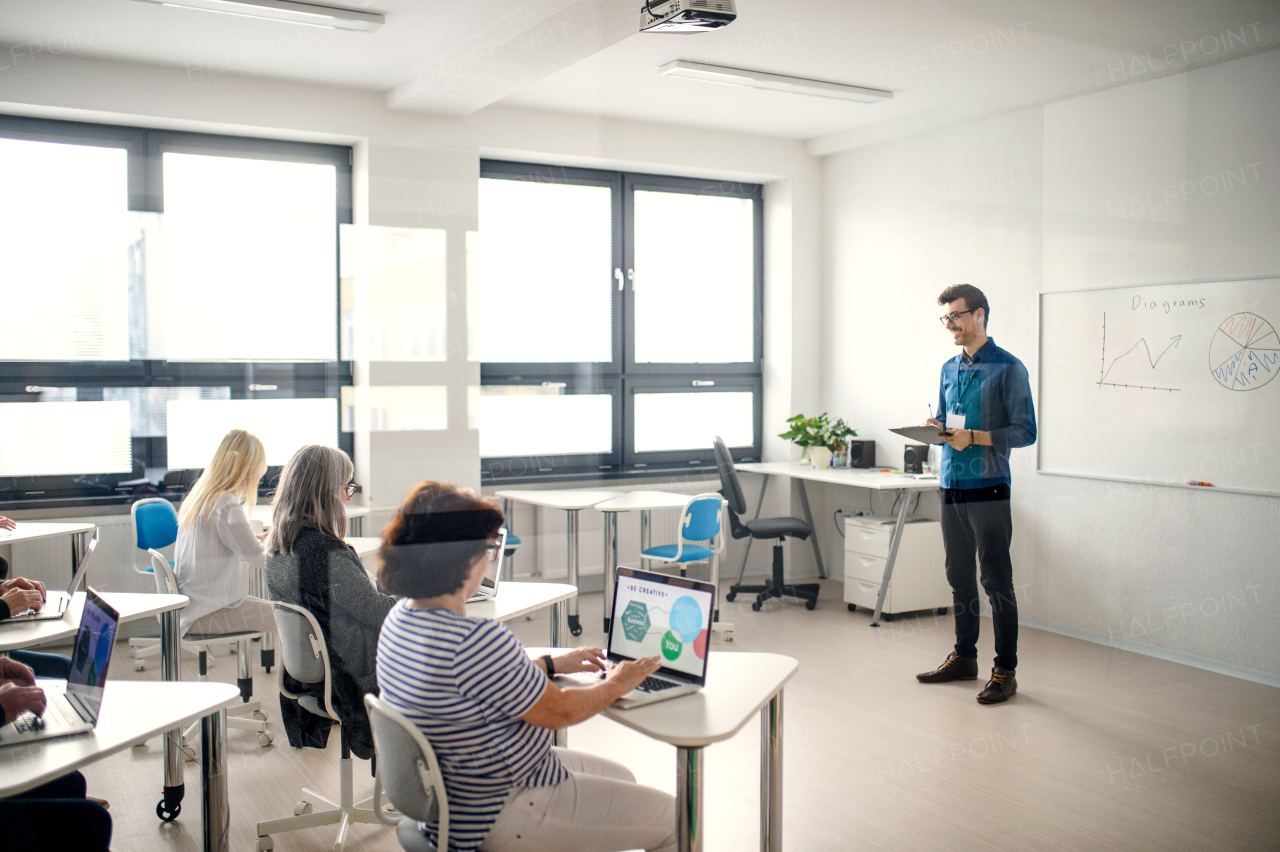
309,565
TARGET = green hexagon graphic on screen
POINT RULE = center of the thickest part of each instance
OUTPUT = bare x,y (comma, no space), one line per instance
635,621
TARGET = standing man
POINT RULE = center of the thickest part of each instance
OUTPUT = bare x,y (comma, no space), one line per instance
985,400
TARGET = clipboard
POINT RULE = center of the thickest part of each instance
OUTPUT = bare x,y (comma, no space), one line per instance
920,434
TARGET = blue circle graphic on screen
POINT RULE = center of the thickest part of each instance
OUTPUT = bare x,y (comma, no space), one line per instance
686,618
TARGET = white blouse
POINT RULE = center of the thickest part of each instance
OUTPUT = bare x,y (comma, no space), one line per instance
215,560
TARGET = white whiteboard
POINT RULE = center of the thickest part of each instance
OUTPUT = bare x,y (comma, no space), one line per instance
1163,383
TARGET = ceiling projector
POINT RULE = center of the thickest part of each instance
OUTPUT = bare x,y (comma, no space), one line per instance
685,16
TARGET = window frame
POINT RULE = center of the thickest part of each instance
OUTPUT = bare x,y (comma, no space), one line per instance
145,149
623,374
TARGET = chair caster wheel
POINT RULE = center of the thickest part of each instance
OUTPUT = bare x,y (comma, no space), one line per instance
258,715
729,597
942,610
264,740
755,607
810,605
265,844
575,626
887,617
853,607
167,815
188,754
139,666
302,808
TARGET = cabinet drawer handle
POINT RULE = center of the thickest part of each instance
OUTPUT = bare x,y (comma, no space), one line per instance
866,560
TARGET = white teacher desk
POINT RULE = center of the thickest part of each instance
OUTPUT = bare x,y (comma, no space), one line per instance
355,517
131,607
133,711
738,685
873,480
34,530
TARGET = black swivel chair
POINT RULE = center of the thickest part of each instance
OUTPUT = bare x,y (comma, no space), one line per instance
775,528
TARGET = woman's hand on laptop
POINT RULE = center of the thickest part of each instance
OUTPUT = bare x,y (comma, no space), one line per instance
24,583
584,659
12,671
7,523
629,674
21,600
17,700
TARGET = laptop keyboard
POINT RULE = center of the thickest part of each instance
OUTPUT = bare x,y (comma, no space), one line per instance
53,713
653,684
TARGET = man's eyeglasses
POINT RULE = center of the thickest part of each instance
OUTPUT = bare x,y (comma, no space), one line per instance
953,316
349,489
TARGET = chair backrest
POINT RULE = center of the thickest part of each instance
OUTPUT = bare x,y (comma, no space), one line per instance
701,518
407,767
166,580
155,523
729,485
303,651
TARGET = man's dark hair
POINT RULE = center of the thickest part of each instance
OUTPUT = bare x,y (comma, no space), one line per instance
431,542
973,299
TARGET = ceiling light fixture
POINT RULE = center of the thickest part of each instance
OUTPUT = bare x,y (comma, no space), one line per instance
773,82
285,10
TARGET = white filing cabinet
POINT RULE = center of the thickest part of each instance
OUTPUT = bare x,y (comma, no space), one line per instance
919,573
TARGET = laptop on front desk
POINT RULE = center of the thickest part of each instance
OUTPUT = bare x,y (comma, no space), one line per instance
662,616
73,707
492,571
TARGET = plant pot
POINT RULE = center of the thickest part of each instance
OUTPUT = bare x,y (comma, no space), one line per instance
820,457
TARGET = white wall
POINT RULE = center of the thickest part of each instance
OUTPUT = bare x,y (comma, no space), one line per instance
1032,201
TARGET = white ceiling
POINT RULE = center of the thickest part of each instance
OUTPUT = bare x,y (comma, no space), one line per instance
943,60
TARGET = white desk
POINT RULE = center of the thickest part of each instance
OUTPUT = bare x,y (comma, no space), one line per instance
738,685
571,501
355,517
35,530
131,607
645,502
365,545
851,477
134,711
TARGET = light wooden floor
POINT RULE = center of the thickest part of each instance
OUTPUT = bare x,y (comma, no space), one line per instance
1101,749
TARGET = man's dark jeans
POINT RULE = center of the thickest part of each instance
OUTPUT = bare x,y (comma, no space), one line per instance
977,523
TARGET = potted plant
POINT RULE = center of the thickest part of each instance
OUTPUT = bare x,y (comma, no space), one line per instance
818,436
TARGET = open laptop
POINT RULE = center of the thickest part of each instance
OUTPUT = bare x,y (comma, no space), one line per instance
57,604
667,617
492,571
73,707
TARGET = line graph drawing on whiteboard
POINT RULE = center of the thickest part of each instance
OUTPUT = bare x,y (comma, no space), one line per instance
1245,352
1132,353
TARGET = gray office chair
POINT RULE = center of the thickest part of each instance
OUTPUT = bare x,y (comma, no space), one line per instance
306,659
761,528
409,774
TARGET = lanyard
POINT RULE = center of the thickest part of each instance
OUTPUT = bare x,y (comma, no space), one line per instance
964,385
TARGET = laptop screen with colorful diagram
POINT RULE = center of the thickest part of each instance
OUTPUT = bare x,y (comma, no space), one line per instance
662,616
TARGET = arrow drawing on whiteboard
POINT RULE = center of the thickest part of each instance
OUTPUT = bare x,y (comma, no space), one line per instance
1153,361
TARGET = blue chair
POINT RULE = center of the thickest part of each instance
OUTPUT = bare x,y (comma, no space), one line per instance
700,521
155,527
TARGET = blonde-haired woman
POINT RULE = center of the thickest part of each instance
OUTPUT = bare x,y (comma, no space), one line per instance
309,565
217,552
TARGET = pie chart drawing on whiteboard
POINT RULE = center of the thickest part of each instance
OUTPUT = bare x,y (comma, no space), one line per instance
1245,352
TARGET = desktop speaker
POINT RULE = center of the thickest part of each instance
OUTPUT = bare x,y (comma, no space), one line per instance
914,458
862,454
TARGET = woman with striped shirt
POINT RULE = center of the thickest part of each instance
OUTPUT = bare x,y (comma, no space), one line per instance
217,552
488,710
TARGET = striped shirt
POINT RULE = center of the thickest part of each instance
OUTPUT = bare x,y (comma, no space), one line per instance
215,560
465,682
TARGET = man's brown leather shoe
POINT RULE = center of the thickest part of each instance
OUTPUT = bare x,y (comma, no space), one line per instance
952,668
1000,688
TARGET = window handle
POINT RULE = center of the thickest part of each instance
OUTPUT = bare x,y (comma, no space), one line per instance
617,274
699,383
631,276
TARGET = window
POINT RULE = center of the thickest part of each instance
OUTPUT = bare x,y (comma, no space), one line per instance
617,319
146,274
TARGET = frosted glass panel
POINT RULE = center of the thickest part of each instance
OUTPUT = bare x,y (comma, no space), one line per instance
283,425
691,421
513,423
148,406
64,438
694,279
545,273
393,294
63,258
386,408
250,259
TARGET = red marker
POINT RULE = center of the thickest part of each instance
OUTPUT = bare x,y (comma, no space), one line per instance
1195,482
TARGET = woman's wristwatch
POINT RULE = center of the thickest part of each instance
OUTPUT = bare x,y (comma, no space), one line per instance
551,667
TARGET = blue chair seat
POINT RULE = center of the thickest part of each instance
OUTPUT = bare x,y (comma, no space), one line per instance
513,540
691,553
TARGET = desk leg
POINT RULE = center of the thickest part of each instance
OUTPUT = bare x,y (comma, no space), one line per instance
893,555
646,530
689,799
808,517
508,567
746,551
79,541
170,669
571,533
215,808
771,775
557,624
610,564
